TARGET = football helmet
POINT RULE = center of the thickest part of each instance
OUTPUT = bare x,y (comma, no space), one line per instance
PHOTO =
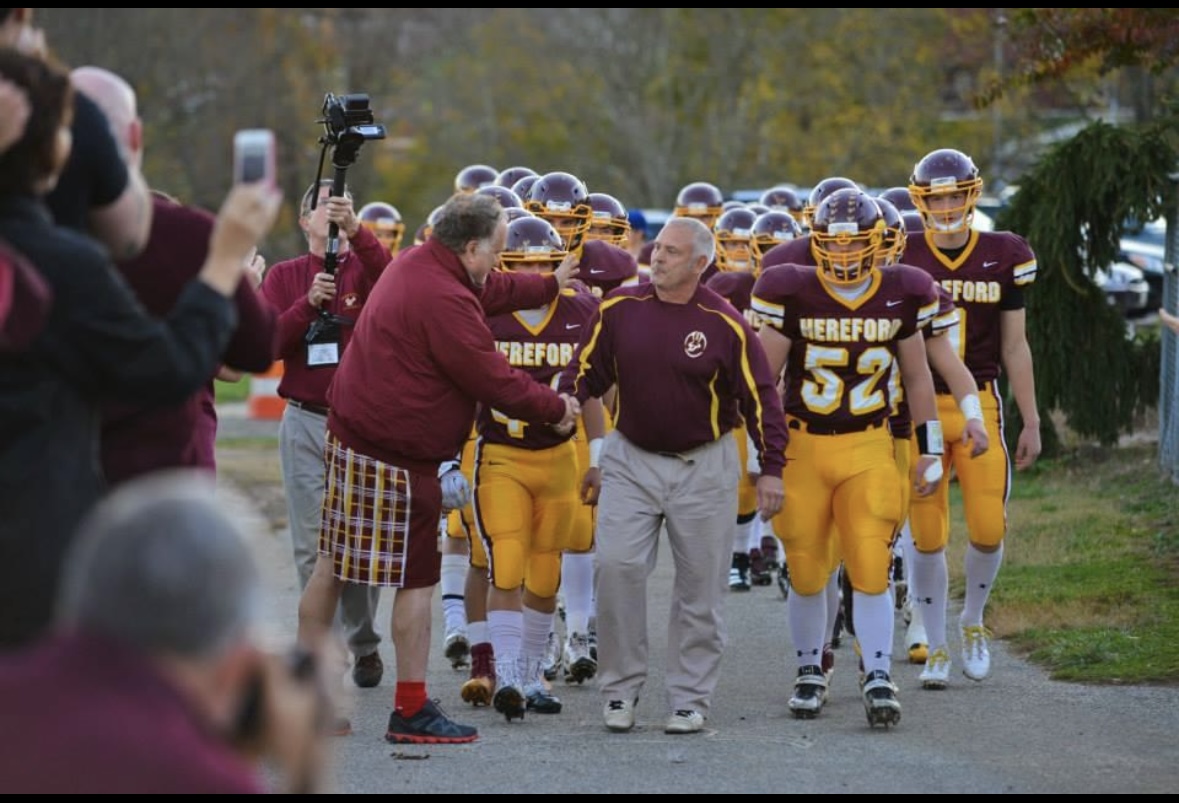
785,199
899,197
532,241
773,228
523,186
563,200
609,220
757,207
821,191
941,173
914,221
514,212
506,197
846,235
893,244
426,229
700,200
472,177
510,175
734,241
384,221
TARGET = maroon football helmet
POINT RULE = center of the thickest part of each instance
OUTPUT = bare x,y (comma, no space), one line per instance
532,241
384,221
773,228
821,191
608,221
899,197
846,235
700,200
733,231
783,198
893,244
946,172
563,200
472,177
510,175
506,197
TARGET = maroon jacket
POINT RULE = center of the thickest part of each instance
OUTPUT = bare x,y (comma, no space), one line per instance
286,286
103,710
138,439
422,356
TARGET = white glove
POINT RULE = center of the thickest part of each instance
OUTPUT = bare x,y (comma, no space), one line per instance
752,459
456,491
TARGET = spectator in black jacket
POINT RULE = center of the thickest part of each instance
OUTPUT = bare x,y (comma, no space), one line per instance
98,344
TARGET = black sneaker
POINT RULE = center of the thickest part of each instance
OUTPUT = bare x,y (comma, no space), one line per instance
428,726
368,670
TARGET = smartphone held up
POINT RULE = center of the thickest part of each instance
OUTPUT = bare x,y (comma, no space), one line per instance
254,156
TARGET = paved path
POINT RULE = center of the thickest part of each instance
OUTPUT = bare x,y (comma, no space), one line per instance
1017,732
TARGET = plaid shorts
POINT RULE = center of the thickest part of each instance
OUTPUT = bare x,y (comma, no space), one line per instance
379,522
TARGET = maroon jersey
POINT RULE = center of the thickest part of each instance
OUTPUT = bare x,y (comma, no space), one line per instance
686,373
605,266
946,317
791,252
541,351
737,289
842,351
984,280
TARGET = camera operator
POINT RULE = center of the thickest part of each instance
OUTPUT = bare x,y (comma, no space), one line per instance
310,344
151,681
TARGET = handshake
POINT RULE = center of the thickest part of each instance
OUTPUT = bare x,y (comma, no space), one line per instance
572,411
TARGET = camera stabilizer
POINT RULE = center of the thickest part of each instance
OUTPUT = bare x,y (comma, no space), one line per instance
347,124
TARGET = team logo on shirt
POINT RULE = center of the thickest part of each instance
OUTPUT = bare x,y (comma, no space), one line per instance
695,343
351,300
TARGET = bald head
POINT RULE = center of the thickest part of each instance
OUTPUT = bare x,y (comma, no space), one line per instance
117,100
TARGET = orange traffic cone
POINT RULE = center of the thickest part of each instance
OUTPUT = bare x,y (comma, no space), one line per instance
264,403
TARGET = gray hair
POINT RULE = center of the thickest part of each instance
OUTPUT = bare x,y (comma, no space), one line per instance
467,217
703,241
159,565
312,193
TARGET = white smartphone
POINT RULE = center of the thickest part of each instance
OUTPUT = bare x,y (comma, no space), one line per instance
253,156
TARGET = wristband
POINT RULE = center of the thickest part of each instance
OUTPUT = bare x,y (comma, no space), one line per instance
929,438
971,407
595,452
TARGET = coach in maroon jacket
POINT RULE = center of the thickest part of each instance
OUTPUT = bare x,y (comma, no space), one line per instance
403,402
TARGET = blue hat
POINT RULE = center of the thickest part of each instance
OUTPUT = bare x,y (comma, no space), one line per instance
638,221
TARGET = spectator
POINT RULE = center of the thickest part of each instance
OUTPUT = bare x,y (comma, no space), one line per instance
402,403
149,681
302,290
137,438
98,345
1169,320
636,238
671,462
97,192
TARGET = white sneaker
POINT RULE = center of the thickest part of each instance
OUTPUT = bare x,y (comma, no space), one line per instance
619,715
684,720
976,651
936,674
916,641
810,692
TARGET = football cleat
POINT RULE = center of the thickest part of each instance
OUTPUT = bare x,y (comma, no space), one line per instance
551,664
976,651
579,665
880,700
810,692
936,674
739,572
458,649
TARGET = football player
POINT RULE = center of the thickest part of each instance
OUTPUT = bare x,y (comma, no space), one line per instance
836,330
528,479
385,222
986,274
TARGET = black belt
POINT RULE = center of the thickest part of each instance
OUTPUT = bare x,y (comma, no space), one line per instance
318,409
819,429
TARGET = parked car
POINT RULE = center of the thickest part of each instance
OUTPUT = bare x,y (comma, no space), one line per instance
1126,288
1145,247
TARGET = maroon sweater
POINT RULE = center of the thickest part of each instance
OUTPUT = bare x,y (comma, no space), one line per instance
422,356
137,439
286,286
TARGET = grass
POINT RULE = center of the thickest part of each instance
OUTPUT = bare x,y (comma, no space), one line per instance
1089,587
232,391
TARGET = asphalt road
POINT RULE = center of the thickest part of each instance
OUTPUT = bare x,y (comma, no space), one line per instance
1016,732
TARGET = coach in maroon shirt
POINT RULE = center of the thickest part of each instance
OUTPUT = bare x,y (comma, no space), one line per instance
687,364
403,401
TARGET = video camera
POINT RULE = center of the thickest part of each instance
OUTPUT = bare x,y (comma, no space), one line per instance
348,124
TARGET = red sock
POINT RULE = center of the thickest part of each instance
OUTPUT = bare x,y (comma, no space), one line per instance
409,697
